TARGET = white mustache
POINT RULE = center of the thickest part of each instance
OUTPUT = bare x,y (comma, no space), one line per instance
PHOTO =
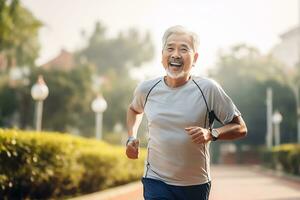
175,61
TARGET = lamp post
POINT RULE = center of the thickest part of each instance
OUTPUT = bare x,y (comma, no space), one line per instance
297,88
99,105
39,93
269,101
277,118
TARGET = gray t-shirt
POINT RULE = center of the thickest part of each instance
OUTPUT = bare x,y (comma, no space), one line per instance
172,156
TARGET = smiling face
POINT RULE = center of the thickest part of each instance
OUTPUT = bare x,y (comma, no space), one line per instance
178,56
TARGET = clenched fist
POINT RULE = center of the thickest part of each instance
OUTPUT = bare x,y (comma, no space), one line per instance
199,135
132,149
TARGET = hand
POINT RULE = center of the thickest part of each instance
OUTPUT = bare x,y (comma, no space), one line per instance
132,149
199,135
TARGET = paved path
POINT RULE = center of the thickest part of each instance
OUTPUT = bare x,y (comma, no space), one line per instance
245,183
132,191
229,183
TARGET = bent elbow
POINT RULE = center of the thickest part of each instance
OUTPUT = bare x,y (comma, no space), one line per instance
243,131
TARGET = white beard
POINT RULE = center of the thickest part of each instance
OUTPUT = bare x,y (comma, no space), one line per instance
175,75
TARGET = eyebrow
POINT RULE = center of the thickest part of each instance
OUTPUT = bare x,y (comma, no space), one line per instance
182,45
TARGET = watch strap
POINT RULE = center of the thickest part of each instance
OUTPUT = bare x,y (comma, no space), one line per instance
214,138
130,138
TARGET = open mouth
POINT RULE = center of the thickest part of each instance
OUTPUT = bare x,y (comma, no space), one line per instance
175,64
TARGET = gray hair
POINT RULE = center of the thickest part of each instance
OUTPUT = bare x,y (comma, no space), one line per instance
176,30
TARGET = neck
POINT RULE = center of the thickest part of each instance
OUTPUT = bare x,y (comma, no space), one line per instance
173,83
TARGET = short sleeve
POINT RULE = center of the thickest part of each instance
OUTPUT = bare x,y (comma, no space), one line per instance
222,105
138,99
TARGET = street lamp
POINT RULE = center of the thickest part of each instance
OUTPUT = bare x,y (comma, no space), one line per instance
269,101
99,105
39,93
277,118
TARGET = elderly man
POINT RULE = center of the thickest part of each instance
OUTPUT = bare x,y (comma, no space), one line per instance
180,109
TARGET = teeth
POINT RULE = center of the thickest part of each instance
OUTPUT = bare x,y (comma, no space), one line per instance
176,64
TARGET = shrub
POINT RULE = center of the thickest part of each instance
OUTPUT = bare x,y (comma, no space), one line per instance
284,157
267,158
46,165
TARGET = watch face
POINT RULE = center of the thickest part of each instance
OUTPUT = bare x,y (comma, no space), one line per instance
215,133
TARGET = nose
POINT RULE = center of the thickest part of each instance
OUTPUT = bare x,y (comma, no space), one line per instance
176,54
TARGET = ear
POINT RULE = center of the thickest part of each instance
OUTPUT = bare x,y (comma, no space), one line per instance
195,58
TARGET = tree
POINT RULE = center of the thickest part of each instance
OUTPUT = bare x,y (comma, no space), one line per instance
129,49
18,34
8,103
245,74
68,106
113,59
19,47
291,78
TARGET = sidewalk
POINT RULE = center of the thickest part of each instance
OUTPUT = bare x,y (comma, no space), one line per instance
131,191
250,183
228,183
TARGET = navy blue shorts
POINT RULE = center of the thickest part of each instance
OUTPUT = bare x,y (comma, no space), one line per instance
158,190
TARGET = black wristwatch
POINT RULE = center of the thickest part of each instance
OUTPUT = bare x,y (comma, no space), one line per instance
215,134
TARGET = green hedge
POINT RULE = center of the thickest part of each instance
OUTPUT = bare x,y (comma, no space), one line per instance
284,157
47,165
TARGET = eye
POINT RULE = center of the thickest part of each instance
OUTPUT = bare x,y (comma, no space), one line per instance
170,49
184,50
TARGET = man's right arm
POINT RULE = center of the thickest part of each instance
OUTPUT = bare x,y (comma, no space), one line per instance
133,122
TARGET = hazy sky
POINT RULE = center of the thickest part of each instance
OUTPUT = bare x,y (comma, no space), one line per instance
220,24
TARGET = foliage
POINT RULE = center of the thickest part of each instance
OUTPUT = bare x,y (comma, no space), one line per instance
7,98
245,74
18,47
284,157
18,33
113,59
49,165
100,174
14,103
68,104
118,54
118,95
68,107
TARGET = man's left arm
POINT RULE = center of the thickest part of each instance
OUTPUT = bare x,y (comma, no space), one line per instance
233,130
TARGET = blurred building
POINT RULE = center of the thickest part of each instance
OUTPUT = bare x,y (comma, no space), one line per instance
64,61
288,50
